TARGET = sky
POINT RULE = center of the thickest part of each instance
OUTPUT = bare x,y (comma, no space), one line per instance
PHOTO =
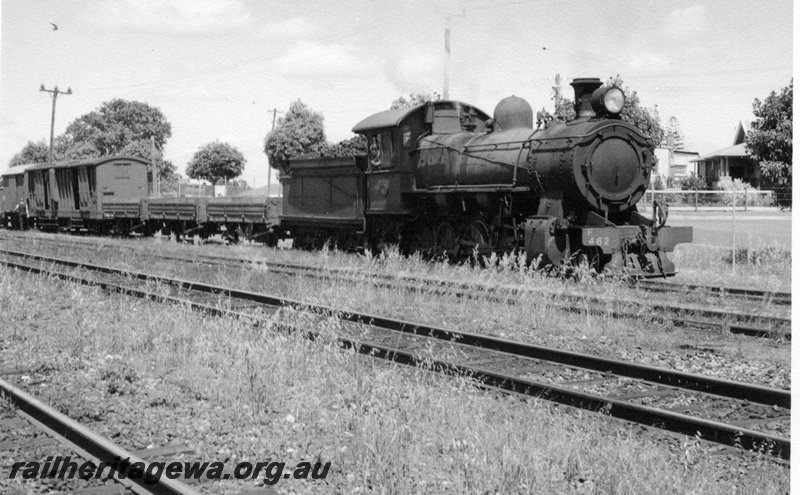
218,69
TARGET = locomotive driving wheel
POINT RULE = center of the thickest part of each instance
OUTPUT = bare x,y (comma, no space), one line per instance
445,240
424,242
476,238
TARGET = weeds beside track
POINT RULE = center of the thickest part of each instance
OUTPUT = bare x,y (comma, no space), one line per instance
661,383
704,316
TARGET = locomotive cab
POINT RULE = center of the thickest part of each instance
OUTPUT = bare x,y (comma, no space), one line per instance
393,138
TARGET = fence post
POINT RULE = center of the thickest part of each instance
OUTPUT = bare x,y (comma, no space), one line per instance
695,200
733,235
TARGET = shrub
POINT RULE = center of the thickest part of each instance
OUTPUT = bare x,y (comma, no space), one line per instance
693,183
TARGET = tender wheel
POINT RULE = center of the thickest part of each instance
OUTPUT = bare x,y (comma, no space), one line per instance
390,235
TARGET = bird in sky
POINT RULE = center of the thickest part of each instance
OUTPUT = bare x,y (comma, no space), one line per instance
55,28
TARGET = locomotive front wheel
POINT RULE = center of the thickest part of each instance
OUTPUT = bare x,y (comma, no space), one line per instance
588,258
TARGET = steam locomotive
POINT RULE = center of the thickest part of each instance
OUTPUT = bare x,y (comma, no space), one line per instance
442,178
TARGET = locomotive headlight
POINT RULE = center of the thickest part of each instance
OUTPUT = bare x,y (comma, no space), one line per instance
614,100
608,100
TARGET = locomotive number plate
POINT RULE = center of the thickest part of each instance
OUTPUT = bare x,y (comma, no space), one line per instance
598,241
606,239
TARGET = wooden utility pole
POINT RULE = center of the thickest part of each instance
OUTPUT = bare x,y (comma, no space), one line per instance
269,168
54,92
156,181
557,96
446,88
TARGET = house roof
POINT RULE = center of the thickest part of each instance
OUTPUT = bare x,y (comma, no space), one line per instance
737,150
741,131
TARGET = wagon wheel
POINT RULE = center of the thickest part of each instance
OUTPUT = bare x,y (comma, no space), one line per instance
445,240
245,231
232,235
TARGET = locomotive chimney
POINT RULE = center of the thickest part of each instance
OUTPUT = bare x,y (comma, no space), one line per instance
584,87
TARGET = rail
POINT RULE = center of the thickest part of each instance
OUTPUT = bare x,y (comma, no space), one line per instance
89,444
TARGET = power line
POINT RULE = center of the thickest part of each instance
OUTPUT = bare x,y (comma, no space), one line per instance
492,6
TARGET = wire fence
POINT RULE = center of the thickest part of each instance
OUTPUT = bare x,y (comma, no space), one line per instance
711,200
727,203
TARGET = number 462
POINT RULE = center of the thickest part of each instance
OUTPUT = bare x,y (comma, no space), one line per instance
598,241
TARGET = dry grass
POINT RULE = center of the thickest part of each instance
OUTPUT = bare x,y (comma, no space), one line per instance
531,318
385,429
765,267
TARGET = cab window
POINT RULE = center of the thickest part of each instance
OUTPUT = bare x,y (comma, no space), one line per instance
380,150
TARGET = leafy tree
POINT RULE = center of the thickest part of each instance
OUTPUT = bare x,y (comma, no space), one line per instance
415,99
120,127
142,149
67,149
644,119
355,146
769,142
565,110
63,149
216,161
118,122
31,153
299,131
674,131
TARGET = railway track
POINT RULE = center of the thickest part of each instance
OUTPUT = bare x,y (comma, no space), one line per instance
733,414
33,430
771,297
684,315
778,298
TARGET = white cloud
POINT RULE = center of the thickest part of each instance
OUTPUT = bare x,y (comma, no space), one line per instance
686,21
297,27
313,59
416,73
185,16
648,63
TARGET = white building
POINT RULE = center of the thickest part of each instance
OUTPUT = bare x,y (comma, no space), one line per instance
672,164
